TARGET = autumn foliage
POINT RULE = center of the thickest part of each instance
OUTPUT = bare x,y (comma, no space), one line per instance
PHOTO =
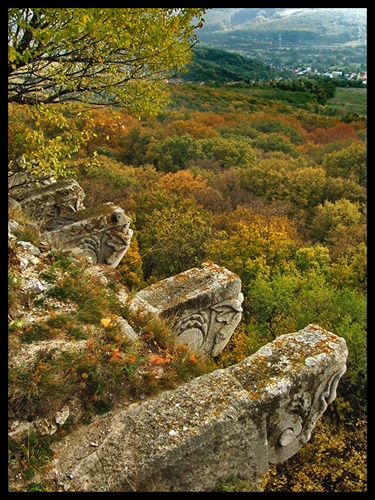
271,190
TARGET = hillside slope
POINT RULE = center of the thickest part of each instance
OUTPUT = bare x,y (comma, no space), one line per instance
334,36
312,23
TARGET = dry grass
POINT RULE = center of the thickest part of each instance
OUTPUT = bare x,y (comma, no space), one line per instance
65,345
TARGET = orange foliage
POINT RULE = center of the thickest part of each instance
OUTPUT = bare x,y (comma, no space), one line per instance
182,183
187,185
182,347
338,132
209,119
109,125
190,127
158,360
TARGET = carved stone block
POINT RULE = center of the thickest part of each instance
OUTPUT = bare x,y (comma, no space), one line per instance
53,200
301,371
205,304
231,422
102,233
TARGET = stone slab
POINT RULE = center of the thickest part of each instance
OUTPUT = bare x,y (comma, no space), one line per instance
231,422
205,304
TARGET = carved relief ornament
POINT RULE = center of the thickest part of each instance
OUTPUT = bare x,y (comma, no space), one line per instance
209,330
290,427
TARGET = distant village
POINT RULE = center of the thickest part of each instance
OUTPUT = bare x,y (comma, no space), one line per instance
298,71
330,74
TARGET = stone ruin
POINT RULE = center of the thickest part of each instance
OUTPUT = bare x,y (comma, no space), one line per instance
231,422
102,234
205,305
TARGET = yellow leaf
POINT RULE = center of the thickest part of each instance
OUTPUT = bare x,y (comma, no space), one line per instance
105,322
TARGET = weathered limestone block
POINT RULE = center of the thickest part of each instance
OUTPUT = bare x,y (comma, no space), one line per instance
102,233
205,304
20,182
53,200
233,421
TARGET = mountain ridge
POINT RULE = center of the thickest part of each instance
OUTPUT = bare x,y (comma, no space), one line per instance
328,39
232,18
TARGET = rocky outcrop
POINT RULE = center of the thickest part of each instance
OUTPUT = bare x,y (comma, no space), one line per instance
204,303
233,421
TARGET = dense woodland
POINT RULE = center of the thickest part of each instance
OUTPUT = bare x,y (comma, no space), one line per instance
265,187
266,181
275,193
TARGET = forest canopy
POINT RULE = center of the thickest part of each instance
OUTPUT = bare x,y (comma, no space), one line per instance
95,56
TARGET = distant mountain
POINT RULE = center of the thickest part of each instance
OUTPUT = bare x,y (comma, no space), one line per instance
218,19
344,24
305,34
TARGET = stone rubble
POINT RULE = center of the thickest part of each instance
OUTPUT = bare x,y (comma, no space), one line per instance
234,421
